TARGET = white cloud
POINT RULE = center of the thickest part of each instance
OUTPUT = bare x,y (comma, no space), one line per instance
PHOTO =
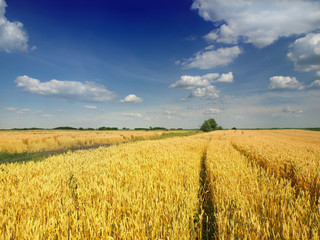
47,115
212,111
315,84
190,82
12,35
131,98
305,53
226,77
88,91
289,112
139,115
134,116
200,86
172,115
281,82
23,110
91,107
212,58
209,92
317,75
259,22
11,109
211,76
18,110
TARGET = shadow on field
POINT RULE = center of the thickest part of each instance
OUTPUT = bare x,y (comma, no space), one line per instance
209,227
38,156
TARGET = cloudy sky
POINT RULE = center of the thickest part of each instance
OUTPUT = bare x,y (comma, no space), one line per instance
246,63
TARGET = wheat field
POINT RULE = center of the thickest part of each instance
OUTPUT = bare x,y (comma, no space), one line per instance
252,200
259,185
146,190
46,140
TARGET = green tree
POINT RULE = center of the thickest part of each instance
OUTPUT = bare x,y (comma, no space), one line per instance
210,125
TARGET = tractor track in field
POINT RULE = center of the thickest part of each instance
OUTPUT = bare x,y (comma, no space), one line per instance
24,157
209,227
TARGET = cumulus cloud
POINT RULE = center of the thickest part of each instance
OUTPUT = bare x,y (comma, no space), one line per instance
190,82
226,77
201,86
12,35
281,82
131,98
212,58
315,84
305,53
73,90
258,22
209,92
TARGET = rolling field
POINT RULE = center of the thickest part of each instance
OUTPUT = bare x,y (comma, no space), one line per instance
219,185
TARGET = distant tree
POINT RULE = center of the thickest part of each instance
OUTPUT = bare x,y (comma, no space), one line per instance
107,128
65,128
141,129
158,128
210,125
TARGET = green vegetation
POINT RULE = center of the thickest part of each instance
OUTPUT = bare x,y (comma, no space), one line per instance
210,125
6,157
151,129
176,134
312,129
107,128
65,128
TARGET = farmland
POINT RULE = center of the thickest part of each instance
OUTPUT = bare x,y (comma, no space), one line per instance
41,140
232,184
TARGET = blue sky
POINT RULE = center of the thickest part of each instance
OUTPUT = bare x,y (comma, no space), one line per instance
162,63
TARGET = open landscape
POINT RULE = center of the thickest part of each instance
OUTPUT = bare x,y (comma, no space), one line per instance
226,184
160,119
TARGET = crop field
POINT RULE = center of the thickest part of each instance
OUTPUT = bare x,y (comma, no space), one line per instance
46,140
229,184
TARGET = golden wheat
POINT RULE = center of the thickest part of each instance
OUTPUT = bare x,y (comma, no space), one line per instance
251,203
46,140
258,181
290,154
143,190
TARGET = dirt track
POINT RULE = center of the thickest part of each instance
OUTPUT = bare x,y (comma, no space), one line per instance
44,154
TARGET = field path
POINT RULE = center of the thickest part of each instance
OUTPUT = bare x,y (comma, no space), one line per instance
41,155
209,223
